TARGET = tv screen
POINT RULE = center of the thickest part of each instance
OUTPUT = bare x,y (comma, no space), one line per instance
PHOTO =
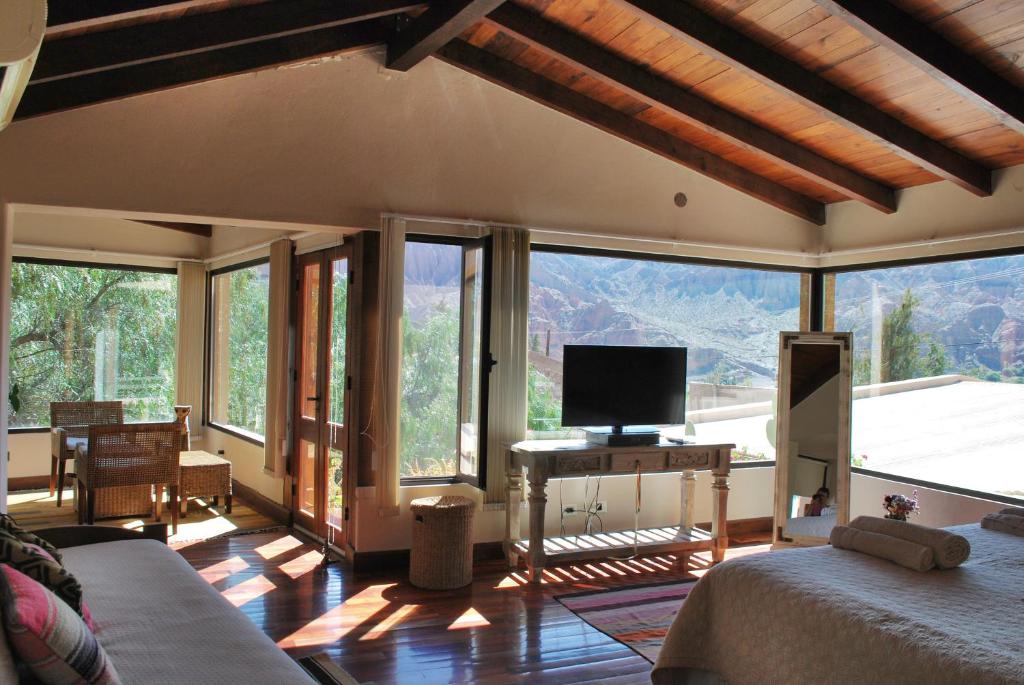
623,386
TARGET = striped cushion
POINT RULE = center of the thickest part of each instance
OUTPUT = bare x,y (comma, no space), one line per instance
8,525
49,636
36,563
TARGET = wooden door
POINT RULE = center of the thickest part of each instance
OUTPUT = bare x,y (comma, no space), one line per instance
323,403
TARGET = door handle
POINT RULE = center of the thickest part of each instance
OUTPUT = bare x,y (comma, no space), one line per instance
313,399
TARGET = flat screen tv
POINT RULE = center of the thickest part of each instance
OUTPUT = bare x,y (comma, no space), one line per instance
620,386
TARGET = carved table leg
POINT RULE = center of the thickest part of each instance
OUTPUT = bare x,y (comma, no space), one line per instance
687,490
513,497
719,516
538,501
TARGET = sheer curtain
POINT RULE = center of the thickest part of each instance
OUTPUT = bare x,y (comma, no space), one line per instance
388,379
510,299
275,441
190,343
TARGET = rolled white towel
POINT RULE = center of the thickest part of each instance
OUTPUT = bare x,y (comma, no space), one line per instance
903,552
949,549
1004,523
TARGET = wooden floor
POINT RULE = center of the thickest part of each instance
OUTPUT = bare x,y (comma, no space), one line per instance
381,629
35,509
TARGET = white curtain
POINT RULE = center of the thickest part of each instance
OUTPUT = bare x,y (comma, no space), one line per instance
275,441
190,342
388,379
510,298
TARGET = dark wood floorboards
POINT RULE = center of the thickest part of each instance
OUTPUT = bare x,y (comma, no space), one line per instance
381,629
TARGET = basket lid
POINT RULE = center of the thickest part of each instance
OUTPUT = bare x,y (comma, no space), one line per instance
443,503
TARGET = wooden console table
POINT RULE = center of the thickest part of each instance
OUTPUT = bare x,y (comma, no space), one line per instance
544,459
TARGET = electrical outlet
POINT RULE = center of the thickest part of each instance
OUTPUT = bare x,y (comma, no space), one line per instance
572,509
601,508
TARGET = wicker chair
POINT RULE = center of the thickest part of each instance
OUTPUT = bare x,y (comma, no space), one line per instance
130,454
70,421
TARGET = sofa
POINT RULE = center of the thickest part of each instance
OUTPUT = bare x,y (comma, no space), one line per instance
158,620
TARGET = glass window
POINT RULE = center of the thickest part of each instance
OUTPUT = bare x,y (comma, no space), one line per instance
83,333
430,360
442,347
938,371
728,319
238,331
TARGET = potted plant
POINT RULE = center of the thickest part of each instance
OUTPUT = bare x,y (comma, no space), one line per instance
899,507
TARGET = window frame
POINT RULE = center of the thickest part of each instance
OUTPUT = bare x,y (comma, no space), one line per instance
82,264
480,480
207,415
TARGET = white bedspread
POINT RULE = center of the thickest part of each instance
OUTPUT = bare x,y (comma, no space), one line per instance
824,615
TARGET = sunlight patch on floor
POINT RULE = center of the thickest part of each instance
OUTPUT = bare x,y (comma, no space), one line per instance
277,547
300,566
223,569
248,590
389,623
27,496
197,531
470,619
341,620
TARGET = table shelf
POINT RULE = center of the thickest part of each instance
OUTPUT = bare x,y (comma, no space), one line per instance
601,545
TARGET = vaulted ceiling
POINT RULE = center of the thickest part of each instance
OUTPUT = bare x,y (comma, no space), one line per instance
799,103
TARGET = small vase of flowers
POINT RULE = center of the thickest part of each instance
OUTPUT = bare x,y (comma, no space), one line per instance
899,507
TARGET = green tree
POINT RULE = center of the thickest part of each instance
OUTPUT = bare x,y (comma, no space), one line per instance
79,331
246,353
902,346
429,411
544,411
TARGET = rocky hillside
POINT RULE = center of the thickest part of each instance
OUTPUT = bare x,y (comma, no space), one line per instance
728,318
973,309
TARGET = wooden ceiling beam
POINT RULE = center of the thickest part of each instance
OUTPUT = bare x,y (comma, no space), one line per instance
196,33
441,23
899,32
721,42
604,66
204,230
91,88
73,14
582,108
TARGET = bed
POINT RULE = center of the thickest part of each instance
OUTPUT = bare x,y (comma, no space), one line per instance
825,615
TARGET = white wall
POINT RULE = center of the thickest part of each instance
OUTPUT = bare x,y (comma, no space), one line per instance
246,462
30,455
931,220
938,508
336,142
84,235
750,496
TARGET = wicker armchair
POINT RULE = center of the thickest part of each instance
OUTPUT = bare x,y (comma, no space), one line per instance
69,422
130,454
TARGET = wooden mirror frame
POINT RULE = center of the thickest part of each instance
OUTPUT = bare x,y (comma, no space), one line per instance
844,341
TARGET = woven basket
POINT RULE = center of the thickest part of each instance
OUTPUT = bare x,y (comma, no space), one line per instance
442,542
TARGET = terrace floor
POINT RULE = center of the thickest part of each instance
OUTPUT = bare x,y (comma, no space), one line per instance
35,509
967,434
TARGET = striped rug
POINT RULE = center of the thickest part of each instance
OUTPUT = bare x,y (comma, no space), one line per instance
638,616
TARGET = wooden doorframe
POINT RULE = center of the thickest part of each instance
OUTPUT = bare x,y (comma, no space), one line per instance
353,251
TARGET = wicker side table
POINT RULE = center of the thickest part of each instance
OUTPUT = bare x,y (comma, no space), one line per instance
204,475
442,542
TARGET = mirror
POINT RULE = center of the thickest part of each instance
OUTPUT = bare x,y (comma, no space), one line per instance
812,468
